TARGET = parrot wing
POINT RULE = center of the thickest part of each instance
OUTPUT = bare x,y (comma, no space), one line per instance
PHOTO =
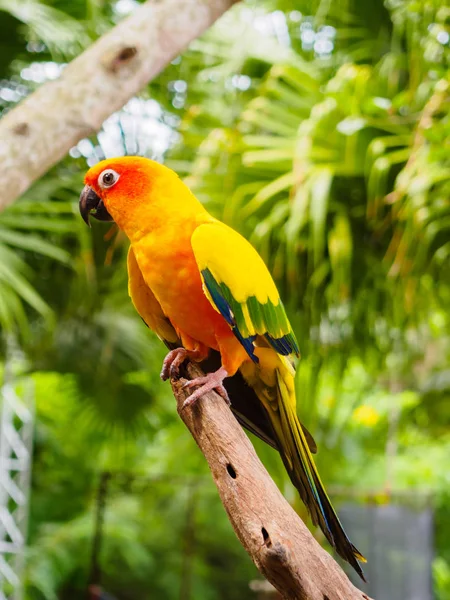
147,305
239,286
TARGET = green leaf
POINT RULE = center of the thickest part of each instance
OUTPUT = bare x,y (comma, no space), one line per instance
322,179
35,244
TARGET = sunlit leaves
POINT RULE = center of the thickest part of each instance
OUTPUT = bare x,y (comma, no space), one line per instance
29,229
62,34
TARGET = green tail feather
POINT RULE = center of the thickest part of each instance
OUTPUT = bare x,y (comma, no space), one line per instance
299,463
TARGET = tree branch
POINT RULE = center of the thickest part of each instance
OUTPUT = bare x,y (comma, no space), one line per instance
278,541
41,130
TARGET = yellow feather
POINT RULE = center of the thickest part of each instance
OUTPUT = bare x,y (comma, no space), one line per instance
233,260
248,320
146,304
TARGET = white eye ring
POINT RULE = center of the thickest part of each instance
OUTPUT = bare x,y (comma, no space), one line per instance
108,178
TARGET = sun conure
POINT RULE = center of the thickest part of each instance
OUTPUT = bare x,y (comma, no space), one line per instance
208,295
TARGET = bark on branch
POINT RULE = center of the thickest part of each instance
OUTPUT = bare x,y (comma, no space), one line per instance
40,130
277,540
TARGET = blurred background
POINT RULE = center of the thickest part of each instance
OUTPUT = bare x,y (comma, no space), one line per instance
320,130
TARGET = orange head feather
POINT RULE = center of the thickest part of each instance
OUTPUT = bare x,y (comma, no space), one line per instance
139,194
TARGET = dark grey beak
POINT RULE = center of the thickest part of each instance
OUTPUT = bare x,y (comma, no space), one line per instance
91,204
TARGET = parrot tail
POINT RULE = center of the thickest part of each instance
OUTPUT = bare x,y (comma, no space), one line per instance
275,388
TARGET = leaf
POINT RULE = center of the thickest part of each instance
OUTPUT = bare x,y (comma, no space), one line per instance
13,278
35,244
38,223
322,179
268,192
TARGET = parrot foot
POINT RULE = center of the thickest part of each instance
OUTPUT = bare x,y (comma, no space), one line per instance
172,363
212,381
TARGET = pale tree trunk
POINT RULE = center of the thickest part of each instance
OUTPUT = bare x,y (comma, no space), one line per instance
40,131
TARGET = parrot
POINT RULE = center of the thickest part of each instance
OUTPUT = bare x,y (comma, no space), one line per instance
208,295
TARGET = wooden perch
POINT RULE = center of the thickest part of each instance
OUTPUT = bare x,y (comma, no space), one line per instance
40,131
278,541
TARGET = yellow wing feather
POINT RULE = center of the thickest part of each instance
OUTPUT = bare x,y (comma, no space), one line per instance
233,261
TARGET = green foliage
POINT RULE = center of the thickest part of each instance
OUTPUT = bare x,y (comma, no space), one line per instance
43,226
441,572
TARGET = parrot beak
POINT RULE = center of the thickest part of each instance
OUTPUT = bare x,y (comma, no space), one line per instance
91,204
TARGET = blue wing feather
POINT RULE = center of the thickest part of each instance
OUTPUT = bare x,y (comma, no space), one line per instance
225,310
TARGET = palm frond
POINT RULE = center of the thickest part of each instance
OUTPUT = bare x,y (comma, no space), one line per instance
63,35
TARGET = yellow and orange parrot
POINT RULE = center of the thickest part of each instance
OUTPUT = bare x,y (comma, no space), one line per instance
207,294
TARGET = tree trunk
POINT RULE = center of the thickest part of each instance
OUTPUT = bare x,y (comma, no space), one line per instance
40,131
277,540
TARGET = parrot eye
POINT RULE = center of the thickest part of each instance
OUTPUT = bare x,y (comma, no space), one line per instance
108,178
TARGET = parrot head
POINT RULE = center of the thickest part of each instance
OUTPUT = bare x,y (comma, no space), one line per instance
125,190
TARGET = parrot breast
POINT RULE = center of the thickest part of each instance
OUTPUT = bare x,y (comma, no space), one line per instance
169,268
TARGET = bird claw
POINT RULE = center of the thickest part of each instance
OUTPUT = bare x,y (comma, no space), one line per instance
212,381
172,363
